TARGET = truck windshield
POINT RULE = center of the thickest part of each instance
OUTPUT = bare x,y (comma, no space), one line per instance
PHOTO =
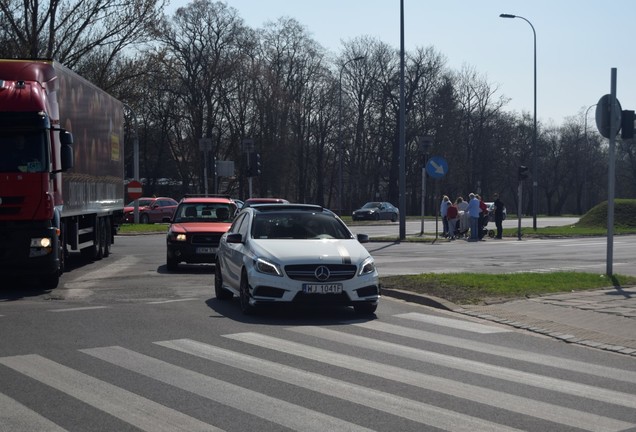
23,152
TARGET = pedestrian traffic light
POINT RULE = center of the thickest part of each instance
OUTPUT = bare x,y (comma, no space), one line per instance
627,124
523,172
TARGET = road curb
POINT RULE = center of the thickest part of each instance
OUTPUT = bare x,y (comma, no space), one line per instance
425,300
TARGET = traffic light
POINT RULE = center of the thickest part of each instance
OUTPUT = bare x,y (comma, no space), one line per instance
523,172
627,124
254,166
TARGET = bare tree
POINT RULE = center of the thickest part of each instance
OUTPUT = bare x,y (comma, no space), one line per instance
76,32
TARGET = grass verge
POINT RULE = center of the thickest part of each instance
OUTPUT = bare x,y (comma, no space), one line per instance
480,288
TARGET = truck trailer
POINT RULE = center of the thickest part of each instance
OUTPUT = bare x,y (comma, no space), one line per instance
61,169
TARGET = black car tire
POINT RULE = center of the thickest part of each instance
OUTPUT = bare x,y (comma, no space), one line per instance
393,217
220,292
365,308
171,263
144,219
376,216
244,291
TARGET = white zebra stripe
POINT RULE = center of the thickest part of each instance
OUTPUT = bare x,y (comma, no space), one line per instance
453,323
510,402
496,350
275,410
127,406
395,405
494,371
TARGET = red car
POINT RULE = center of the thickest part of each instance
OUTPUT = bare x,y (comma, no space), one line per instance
196,229
151,210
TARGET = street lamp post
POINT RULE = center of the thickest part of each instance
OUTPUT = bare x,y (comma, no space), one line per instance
340,152
535,163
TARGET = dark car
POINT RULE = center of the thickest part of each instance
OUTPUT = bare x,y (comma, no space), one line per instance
295,254
196,228
151,210
376,210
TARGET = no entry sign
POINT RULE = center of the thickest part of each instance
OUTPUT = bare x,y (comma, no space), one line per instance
134,189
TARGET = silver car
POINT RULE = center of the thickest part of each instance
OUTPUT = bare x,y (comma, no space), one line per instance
295,253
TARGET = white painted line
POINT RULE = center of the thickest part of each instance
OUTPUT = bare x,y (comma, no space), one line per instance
127,406
171,301
453,323
85,308
494,398
471,366
392,404
496,350
278,411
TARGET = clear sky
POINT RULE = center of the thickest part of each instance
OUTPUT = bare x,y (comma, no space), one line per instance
578,42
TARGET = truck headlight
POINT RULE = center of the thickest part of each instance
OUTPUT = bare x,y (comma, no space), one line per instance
40,246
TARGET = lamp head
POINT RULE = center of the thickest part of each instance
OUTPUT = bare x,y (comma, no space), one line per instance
507,16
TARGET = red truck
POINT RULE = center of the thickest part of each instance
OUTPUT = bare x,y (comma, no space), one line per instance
61,168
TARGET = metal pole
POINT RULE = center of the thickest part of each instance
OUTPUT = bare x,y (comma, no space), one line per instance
535,155
612,163
135,160
423,195
519,190
402,168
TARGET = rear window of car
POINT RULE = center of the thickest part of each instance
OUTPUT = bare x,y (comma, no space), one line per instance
205,212
298,225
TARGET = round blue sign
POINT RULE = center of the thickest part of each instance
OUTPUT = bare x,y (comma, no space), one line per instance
437,167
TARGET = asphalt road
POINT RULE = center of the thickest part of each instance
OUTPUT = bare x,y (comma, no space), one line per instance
125,345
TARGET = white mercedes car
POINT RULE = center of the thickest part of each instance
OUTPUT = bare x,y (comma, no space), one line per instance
295,253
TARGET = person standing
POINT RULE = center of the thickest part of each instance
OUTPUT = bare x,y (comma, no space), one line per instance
474,211
483,217
443,207
499,211
452,214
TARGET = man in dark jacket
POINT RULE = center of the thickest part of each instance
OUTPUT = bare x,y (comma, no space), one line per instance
499,212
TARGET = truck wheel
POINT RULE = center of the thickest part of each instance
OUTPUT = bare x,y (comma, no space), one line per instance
99,239
106,237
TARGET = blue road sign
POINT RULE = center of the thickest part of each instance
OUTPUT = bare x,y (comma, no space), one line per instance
437,167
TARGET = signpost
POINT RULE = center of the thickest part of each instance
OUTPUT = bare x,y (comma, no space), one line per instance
135,189
436,167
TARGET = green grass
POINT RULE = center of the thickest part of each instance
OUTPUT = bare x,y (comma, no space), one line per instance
472,288
475,288
142,228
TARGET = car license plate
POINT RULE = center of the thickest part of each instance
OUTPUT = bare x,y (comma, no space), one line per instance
206,250
322,288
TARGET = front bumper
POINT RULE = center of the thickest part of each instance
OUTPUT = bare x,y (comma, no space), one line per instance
267,289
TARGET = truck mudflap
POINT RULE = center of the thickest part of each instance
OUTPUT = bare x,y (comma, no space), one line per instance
28,250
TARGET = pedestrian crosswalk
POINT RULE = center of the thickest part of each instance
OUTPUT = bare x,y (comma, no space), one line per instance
363,376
